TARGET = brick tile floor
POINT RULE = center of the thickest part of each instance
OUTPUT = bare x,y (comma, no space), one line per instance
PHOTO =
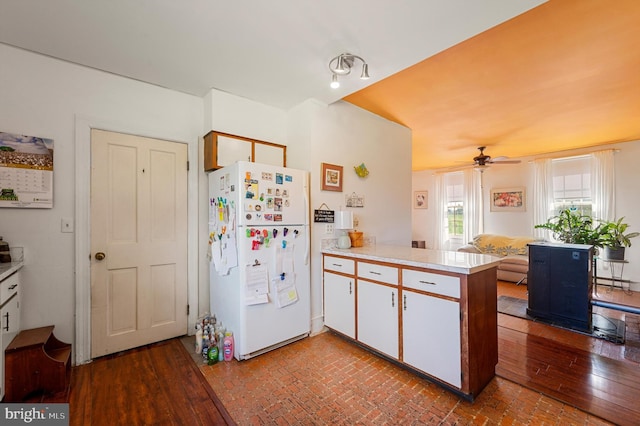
325,380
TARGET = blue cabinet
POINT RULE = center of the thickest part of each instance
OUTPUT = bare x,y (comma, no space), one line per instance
560,281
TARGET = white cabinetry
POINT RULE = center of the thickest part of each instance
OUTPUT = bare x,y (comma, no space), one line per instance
339,303
378,317
9,316
431,336
231,150
222,149
436,319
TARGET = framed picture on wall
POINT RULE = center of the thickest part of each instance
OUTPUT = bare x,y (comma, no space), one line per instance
331,177
507,200
420,199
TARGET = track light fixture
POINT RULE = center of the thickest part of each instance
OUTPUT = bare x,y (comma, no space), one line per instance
342,64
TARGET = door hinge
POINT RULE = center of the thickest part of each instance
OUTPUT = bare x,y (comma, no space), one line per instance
187,309
187,166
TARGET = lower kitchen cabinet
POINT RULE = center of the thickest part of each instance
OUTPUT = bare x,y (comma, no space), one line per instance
434,312
378,317
10,293
340,303
431,336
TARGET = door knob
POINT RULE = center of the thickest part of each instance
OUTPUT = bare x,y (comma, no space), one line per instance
100,255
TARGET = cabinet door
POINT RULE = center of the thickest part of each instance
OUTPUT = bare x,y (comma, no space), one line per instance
231,150
269,154
10,320
378,317
431,336
339,304
10,312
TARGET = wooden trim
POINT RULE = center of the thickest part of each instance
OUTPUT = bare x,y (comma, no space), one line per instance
211,162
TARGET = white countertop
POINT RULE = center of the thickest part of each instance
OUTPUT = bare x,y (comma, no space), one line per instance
7,269
441,260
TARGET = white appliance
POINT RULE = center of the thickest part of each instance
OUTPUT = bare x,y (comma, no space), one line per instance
259,239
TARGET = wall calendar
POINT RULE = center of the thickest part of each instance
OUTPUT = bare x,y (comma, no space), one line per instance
26,171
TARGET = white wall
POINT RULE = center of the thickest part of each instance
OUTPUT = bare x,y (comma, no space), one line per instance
423,220
46,97
49,98
338,134
227,113
521,223
345,135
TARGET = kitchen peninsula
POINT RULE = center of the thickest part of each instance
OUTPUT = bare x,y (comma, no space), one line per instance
432,311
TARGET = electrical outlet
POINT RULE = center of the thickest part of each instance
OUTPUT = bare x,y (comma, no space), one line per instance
329,229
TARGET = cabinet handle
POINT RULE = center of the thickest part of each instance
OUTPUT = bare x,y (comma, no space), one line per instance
350,287
13,286
405,302
6,328
374,273
426,282
393,300
337,264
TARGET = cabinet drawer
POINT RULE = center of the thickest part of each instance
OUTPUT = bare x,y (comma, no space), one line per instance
372,271
9,287
338,264
431,282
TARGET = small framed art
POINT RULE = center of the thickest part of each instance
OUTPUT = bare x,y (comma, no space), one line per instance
507,200
420,199
331,177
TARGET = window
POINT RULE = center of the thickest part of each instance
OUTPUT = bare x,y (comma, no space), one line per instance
454,193
572,184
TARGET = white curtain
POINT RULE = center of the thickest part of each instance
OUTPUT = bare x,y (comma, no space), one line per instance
440,234
603,185
542,195
472,202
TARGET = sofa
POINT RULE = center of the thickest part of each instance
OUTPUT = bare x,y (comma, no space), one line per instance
513,251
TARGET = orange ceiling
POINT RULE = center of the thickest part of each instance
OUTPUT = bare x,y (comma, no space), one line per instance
564,75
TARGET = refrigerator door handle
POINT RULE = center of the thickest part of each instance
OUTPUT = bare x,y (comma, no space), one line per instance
306,217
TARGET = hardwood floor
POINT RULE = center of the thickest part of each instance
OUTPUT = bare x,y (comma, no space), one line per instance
159,384
153,385
591,374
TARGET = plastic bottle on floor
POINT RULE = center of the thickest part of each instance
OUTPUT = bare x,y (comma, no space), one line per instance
228,346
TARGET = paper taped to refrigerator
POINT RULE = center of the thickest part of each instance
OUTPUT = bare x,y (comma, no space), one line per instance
257,285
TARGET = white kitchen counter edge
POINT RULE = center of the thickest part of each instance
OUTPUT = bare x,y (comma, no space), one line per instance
439,260
7,269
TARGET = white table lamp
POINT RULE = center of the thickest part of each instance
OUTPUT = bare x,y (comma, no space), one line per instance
343,223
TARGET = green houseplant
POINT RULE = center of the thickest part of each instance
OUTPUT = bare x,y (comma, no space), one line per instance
614,238
573,228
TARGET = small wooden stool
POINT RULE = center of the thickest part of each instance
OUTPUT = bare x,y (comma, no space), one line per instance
36,361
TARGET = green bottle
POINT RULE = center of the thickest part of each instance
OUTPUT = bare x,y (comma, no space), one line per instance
212,355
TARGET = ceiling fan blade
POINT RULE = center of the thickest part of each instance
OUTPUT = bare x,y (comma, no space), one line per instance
504,161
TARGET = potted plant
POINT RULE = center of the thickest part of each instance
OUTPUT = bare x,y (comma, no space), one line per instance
614,238
573,228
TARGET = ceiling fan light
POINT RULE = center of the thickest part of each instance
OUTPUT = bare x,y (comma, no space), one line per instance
365,72
334,82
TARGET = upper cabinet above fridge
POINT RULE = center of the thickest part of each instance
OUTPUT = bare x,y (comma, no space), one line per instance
223,149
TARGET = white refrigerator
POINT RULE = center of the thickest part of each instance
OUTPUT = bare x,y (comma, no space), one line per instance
259,251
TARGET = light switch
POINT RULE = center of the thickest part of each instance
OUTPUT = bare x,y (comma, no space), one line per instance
66,225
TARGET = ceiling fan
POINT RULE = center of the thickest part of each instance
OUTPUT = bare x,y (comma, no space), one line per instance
482,160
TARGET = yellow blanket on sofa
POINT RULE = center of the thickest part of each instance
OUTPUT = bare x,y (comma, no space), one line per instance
500,245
